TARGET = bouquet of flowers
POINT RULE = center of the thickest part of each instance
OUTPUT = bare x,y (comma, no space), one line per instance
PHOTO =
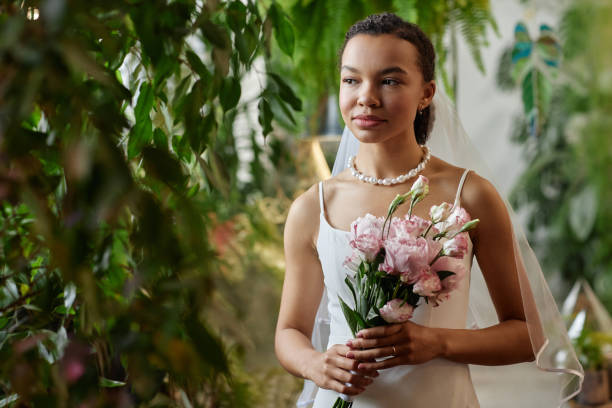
398,261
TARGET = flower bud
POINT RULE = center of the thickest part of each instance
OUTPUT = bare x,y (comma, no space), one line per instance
420,188
439,213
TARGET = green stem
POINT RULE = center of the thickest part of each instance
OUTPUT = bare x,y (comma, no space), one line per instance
438,255
397,286
428,228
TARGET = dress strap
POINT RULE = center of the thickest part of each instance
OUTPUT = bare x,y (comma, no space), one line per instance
321,196
463,177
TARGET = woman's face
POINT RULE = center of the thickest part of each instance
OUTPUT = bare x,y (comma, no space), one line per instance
381,87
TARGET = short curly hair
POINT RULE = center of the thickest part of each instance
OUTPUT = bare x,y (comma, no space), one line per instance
389,23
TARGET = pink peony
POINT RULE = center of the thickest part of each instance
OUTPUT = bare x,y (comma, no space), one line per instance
456,247
453,265
404,228
366,235
395,312
407,257
428,284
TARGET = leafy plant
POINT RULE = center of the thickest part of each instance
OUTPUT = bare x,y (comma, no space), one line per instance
589,350
564,189
119,168
321,25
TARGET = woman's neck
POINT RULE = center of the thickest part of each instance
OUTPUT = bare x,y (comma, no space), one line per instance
390,158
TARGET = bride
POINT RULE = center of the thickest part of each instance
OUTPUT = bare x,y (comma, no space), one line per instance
386,94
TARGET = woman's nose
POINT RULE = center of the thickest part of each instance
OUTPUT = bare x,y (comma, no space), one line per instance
367,96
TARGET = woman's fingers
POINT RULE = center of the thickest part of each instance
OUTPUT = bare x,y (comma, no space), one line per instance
371,354
349,364
361,343
381,365
354,378
343,388
380,331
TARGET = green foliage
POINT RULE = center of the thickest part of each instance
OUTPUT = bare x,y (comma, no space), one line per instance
321,25
589,349
119,193
565,187
533,65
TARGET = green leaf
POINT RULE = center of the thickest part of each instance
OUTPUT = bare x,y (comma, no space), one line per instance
215,34
198,66
69,295
107,383
236,16
348,282
140,135
283,31
160,139
286,93
349,315
265,116
230,93
444,274
163,166
208,345
142,132
583,212
145,102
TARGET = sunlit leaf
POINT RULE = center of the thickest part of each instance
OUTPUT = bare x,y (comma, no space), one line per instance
107,383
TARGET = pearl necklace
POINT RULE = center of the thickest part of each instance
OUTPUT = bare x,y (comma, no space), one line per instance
389,181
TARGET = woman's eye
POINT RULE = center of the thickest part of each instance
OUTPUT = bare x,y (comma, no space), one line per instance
390,81
349,81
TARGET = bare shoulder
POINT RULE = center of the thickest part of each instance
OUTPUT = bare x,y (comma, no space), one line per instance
479,195
303,210
481,200
445,175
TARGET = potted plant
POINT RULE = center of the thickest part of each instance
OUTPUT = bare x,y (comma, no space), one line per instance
595,388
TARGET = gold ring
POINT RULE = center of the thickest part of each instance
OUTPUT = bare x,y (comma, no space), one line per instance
394,351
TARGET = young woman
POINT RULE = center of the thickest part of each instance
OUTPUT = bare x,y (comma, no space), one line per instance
386,91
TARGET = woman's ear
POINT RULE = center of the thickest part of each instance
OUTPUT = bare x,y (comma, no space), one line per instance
429,90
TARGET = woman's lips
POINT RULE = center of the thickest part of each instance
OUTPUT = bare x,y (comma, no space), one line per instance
367,122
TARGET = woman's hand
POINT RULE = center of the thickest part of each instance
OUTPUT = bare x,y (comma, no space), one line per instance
331,370
408,342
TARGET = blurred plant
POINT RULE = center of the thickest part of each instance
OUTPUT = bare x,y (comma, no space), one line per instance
589,349
533,65
120,195
565,188
321,25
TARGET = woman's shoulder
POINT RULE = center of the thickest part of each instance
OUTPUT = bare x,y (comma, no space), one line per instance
481,199
303,210
477,192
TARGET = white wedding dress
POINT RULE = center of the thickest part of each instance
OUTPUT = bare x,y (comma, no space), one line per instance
439,383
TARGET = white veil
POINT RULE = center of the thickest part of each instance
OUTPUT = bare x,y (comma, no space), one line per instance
551,345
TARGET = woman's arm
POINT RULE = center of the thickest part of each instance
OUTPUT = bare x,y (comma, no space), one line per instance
302,287
505,343
302,291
